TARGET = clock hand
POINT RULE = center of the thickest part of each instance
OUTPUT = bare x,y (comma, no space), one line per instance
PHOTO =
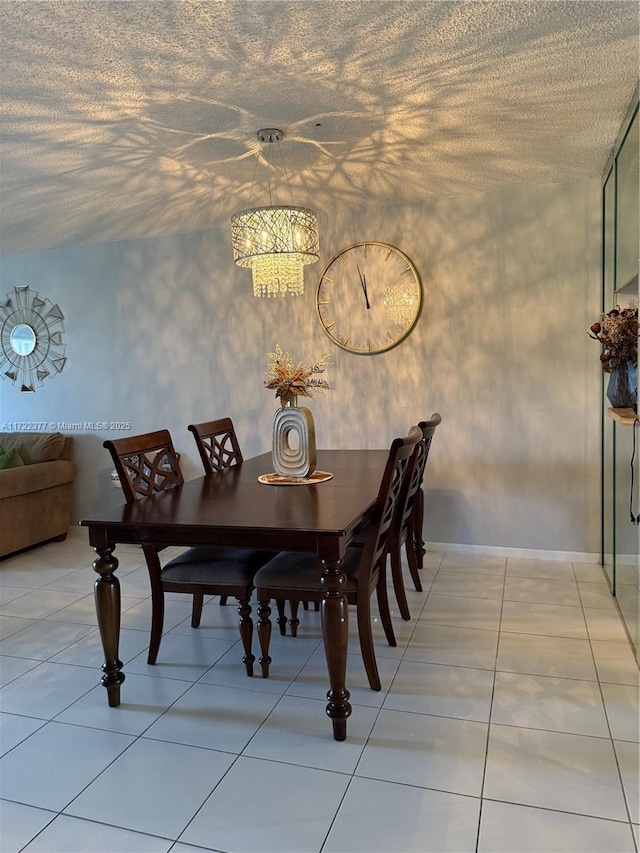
363,285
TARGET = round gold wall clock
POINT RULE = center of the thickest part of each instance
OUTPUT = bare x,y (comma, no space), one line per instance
368,297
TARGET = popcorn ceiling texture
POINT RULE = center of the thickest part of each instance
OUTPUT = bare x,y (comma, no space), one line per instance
123,120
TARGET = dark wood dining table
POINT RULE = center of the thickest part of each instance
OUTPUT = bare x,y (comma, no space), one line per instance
232,508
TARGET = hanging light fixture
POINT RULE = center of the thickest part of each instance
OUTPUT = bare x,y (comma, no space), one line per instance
277,241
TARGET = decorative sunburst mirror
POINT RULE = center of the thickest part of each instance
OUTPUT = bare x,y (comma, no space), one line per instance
31,348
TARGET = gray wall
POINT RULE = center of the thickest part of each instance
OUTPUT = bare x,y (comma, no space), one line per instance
162,332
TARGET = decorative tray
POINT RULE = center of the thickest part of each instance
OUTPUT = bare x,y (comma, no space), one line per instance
280,480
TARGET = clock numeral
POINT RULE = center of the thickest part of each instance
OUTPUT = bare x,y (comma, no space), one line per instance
328,278
329,325
346,340
343,260
324,302
388,255
404,272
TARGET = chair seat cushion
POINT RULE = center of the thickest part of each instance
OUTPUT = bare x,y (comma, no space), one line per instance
291,570
219,566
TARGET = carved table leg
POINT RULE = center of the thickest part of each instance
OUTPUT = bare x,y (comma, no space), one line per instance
335,633
107,596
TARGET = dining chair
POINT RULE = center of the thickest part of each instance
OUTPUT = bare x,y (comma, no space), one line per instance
146,465
217,444
406,529
297,576
415,541
219,448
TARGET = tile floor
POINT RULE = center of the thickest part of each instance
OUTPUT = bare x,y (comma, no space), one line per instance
508,721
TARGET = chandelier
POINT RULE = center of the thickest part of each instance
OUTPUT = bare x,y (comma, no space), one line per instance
276,241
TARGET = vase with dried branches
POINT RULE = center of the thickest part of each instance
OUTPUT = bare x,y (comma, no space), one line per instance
617,332
290,381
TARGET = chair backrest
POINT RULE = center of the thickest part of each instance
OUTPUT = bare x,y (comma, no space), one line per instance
414,481
145,464
217,444
399,466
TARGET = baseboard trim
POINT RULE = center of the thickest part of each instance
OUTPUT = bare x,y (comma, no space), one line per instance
526,553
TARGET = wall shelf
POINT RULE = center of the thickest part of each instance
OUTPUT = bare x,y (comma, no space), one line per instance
626,417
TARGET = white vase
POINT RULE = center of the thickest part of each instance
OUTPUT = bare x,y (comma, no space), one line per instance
297,459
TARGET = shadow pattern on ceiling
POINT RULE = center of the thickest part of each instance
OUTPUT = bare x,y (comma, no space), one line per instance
124,120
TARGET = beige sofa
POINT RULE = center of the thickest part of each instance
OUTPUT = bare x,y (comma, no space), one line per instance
35,498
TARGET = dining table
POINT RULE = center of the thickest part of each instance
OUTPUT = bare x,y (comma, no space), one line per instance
233,508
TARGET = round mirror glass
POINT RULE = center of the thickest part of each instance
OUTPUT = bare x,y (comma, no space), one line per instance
23,339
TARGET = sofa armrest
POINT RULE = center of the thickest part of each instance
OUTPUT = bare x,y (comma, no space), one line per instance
35,478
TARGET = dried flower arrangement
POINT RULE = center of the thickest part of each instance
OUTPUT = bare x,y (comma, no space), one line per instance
295,380
618,334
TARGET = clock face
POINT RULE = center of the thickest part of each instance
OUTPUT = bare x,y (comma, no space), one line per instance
368,298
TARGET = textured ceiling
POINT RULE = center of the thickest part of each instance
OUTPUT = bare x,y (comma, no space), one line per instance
128,119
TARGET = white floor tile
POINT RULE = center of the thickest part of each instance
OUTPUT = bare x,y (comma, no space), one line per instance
469,584
139,617
83,611
604,625
541,591
299,732
538,655
551,569
596,595
275,792
480,563
628,755
11,668
287,661
10,593
154,787
80,581
313,680
615,663
10,625
429,752
549,619
508,828
72,835
555,704
402,630
207,715
43,639
19,824
462,612
413,763
33,576
586,572
142,701
452,645
68,758
14,729
88,651
432,559
623,710
38,603
184,657
556,771
445,691
400,819
46,690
